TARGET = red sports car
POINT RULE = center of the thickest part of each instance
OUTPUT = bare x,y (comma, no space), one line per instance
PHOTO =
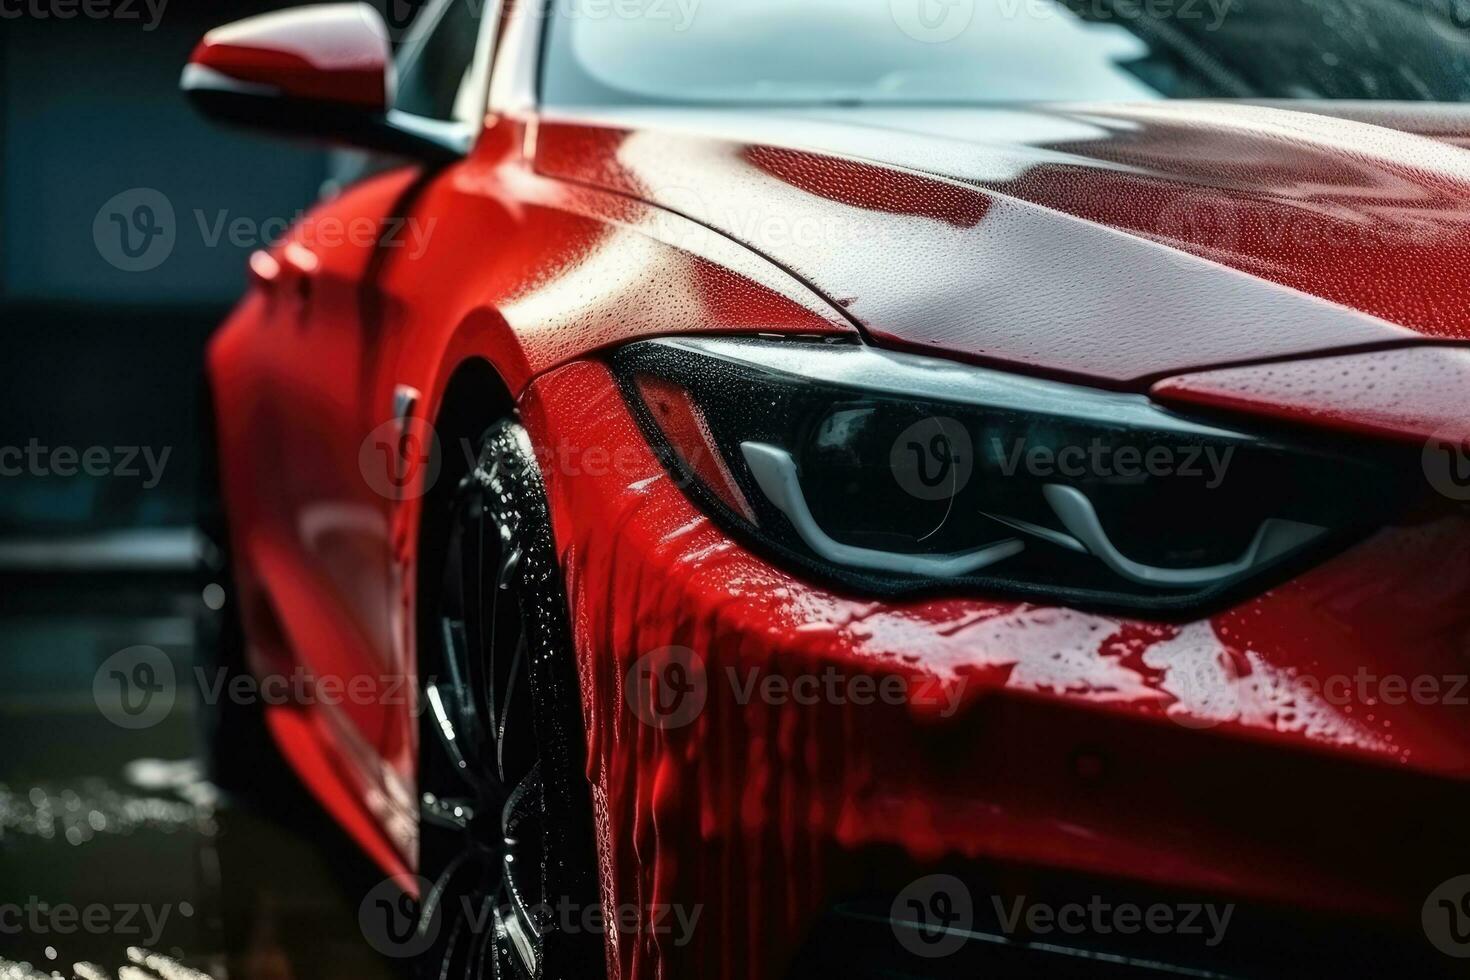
749,488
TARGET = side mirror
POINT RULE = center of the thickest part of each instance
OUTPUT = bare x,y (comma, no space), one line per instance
324,72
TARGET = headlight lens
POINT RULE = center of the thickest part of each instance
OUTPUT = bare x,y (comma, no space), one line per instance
894,473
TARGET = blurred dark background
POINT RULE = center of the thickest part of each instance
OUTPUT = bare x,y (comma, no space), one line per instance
95,354
102,349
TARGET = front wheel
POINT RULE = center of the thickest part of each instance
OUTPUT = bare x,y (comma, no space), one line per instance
505,820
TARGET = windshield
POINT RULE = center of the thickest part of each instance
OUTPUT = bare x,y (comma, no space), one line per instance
640,52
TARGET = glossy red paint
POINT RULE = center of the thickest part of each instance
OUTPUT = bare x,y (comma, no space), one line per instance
1369,215
1223,773
330,52
1068,241
1415,395
1113,243
306,370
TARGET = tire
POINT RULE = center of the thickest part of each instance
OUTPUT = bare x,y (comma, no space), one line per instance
506,831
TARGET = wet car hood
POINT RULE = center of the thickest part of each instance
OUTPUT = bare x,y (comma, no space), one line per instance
1119,243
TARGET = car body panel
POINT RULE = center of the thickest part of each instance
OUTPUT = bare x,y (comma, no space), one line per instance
1215,757
392,286
1079,242
1114,243
1414,394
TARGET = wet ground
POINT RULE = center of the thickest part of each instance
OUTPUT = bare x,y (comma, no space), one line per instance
117,858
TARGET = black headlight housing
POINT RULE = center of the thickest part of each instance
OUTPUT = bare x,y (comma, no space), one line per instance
894,474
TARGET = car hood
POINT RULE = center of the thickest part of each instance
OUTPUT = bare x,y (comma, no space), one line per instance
1116,243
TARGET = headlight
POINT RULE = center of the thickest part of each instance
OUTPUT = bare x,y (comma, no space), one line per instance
893,473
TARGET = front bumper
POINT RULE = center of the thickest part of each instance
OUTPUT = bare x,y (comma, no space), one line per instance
1258,757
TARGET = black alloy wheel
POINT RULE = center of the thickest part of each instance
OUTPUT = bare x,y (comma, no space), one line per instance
505,818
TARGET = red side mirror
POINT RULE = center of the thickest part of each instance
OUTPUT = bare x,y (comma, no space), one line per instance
324,72
336,53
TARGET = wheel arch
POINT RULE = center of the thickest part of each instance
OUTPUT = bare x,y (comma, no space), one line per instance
475,397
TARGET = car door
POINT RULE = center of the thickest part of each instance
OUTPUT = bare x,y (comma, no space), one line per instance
349,461
448,229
